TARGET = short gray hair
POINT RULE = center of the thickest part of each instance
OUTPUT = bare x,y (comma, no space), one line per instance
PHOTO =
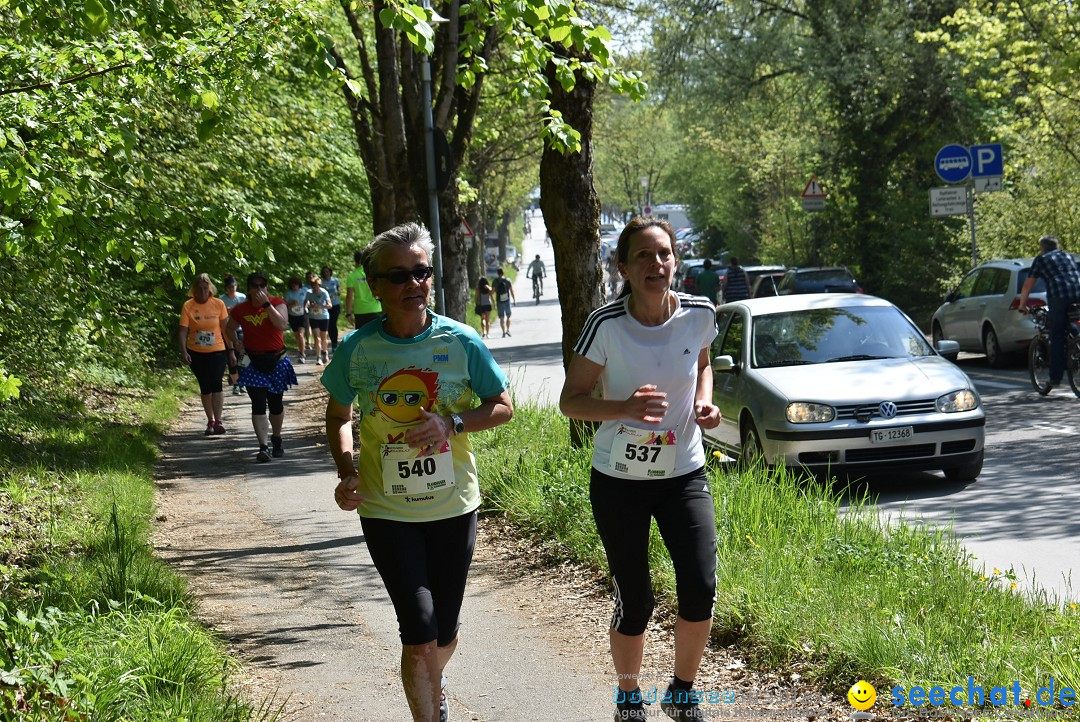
1049,243
402,236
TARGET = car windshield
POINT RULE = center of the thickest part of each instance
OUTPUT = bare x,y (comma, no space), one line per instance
830,335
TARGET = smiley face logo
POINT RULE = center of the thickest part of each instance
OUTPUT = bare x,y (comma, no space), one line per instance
862,695
402,394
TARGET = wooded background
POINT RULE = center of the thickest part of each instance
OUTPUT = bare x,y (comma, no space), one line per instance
143,142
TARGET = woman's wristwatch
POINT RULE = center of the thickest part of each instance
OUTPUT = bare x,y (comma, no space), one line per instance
459,425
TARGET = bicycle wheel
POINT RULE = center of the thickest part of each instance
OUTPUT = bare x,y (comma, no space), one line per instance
1072,363
1039,364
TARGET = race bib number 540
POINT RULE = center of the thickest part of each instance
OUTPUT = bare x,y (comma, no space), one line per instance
643,453
406,471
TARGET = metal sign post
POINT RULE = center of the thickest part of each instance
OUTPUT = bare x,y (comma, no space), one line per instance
971,221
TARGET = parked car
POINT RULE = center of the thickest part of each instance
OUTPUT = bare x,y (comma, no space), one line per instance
755,272
981,312
838,383
820,279
766,285
687,272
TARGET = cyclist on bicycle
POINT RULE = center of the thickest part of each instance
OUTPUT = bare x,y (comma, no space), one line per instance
1059,271
537,271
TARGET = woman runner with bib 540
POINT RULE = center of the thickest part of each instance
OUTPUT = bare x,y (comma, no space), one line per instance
414,377
650,350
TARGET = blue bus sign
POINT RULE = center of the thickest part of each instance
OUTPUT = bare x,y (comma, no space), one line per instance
953,163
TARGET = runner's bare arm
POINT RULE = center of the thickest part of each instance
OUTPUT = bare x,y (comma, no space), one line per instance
339,438
706,414
577,402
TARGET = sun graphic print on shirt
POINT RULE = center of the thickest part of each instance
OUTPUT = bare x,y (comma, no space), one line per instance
400,396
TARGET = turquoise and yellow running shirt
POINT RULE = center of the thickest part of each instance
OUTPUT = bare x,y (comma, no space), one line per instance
446,369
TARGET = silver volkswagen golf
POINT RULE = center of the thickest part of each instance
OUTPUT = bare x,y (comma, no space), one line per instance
840,383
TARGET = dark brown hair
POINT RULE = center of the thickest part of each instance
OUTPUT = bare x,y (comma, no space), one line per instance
640,223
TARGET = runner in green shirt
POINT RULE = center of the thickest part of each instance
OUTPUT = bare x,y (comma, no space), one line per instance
361,305
708,282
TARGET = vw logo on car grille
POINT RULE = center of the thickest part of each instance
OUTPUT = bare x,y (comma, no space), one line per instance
887,409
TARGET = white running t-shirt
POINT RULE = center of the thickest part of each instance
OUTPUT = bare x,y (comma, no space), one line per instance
665,356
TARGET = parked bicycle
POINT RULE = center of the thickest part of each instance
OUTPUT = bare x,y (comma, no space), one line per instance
1039,351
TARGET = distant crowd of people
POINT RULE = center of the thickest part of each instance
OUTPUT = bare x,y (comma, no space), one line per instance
243,333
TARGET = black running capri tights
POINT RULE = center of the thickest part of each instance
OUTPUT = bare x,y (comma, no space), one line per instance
424,565
261,398
208,367
683,508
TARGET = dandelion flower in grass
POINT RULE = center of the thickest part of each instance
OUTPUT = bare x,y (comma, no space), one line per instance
717,454
997,571
1012,585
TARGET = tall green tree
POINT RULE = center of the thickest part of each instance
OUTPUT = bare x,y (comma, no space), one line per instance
112,188
382,66
860,103
637,149
1022,60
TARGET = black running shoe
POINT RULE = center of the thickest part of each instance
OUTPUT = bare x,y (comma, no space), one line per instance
278,451
263,455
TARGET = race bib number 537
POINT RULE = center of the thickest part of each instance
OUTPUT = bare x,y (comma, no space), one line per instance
643,453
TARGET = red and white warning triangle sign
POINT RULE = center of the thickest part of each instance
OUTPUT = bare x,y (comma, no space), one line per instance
813,189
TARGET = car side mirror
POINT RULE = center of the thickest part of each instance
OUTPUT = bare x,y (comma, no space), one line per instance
725,364
948,348
950,296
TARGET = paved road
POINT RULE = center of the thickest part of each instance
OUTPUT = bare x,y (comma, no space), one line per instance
1021,512
532,355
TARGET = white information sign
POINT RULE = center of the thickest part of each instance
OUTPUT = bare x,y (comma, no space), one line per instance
988,184
948,201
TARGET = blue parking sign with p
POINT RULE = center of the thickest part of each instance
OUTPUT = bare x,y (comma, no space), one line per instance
986,160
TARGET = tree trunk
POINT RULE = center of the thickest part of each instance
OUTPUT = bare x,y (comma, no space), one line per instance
571,210
455,256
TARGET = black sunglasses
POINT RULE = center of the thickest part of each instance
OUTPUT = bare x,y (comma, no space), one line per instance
418,274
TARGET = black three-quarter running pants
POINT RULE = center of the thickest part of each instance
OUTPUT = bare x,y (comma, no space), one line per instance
684,512
424,566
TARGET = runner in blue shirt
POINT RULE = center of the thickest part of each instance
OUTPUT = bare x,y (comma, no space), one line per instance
332,285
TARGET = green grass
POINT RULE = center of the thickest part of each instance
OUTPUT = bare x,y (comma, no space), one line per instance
92,625
805,582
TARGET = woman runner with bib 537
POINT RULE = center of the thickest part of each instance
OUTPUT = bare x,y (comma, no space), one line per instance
650,350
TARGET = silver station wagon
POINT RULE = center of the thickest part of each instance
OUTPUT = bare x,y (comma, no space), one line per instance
841,383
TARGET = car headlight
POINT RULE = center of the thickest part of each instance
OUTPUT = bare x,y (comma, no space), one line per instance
802,412
963,400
